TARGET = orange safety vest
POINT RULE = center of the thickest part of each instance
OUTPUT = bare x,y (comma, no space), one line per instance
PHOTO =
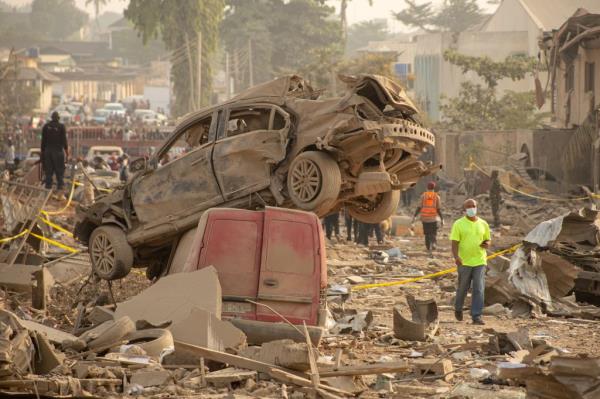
429,204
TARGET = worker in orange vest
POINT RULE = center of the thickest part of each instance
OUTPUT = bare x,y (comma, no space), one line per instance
429,209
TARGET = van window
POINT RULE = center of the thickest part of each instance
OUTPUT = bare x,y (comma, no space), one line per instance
290,248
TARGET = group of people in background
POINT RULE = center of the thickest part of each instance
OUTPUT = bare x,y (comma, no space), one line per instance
356,231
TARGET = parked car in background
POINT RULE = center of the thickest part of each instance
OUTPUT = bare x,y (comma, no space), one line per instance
33,156
116,109
100,116
149,117
276,144
104,152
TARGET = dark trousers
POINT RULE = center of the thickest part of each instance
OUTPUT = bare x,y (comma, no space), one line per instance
365,230
332,224
54,164
430,231
349,221
467,276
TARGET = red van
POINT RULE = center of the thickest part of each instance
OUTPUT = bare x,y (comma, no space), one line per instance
274,257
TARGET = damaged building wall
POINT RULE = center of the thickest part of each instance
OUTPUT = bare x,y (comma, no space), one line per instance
578,94
547,149
453,149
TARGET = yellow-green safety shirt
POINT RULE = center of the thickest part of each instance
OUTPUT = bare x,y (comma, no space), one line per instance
470,234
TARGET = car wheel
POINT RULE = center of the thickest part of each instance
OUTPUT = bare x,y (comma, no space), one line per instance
377,209
314,181
111,255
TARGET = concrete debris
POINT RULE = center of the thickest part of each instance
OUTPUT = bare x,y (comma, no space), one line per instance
285,353
174,297
352,322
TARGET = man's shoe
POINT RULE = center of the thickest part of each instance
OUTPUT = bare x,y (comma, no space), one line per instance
478,322
458,315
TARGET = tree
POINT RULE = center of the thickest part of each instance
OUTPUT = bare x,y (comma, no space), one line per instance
373,63
361,33
16,97
179,27
277,37
477,107
97,5
344,17
452,16
56,19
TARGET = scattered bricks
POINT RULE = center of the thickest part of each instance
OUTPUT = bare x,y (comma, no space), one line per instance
224,377
283,352
151,378
440,368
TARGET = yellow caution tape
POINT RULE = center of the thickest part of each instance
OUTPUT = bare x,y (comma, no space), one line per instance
55,226
427,276
7,239
106,190
66,205
473,164
55,243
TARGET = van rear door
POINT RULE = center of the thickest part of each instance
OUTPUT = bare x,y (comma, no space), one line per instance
290,272
232,244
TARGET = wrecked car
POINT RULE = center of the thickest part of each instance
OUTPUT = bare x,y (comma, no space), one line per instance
275,144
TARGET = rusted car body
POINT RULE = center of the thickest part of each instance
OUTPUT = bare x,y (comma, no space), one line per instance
276,144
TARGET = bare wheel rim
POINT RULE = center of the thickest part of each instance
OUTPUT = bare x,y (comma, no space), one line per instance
306,180
103,253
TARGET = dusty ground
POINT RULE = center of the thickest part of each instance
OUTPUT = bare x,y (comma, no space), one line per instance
377,344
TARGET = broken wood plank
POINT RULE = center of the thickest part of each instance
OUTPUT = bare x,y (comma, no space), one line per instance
238,361
290,378
377,368
314,370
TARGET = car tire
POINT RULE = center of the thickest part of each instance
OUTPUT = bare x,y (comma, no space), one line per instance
314,181
383,207
110,254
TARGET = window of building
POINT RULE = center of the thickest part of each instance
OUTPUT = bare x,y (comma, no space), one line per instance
569,78
589,77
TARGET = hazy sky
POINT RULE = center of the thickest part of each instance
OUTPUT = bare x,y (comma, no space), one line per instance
358,10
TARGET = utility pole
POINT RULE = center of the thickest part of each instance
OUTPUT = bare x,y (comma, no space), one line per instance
227,77
192,97
199,82
236,71
250,68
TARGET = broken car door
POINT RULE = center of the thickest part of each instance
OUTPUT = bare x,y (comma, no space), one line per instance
252,140
183,182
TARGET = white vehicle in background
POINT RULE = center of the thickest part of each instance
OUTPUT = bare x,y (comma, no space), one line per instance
104,152
149,117
33,155
117,109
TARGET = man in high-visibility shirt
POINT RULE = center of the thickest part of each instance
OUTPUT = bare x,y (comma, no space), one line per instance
470,236
430,207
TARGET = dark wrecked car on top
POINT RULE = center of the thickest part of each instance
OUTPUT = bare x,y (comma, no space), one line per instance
276,144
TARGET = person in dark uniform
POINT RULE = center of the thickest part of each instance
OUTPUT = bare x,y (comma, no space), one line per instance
54,152
495,197
332,225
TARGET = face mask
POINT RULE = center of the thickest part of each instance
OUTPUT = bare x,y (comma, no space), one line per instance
471,212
